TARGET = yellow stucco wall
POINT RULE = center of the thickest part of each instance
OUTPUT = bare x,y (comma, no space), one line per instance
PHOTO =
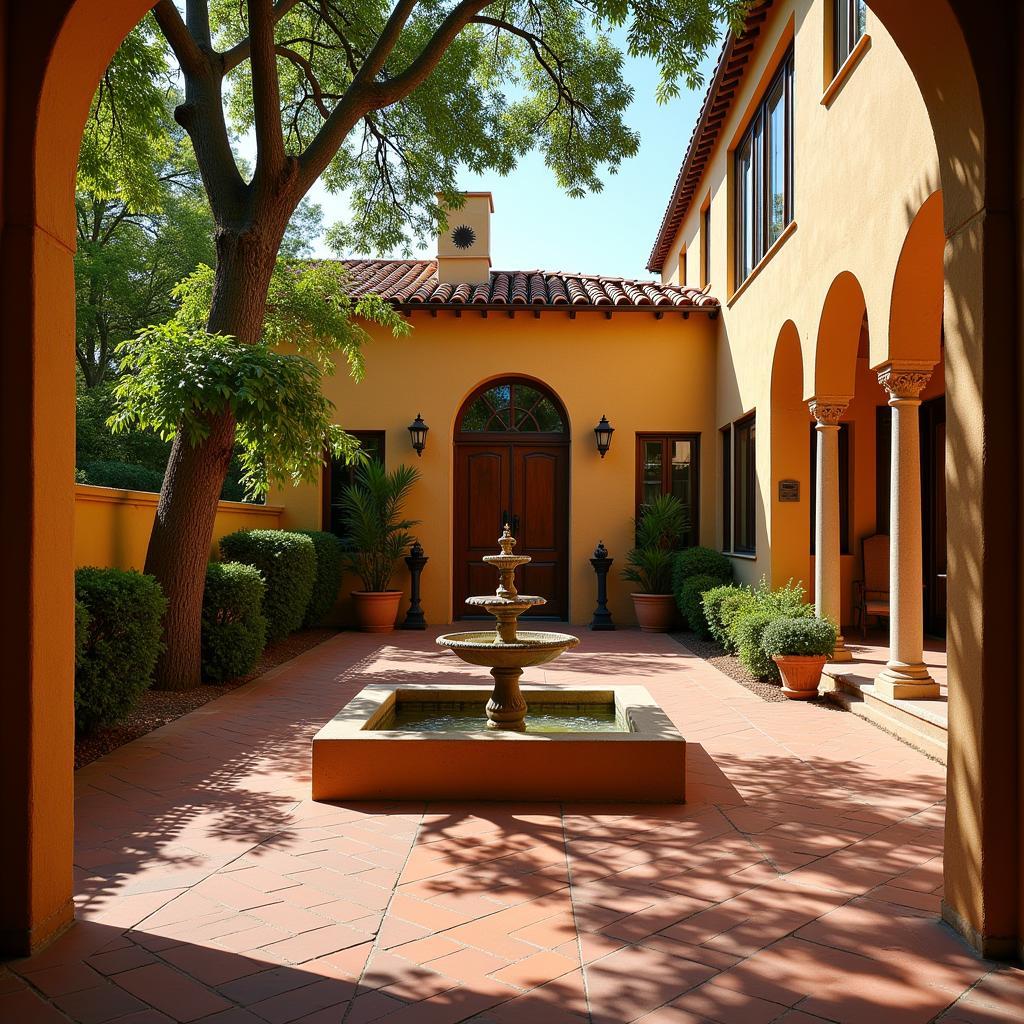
112,526
644,374
854,201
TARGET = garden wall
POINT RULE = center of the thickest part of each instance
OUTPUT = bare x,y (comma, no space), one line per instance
112,526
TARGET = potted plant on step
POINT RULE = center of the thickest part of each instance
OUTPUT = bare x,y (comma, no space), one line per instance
377,538
659,532
800,647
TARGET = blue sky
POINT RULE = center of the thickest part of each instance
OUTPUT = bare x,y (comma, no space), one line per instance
535,225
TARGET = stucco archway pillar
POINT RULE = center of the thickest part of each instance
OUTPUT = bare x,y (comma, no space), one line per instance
827,566
905,674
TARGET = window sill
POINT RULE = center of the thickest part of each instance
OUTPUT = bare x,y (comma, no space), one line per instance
749,556
856,54
787,231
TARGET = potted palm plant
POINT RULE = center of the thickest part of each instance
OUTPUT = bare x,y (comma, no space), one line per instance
659,532
377,538
800,647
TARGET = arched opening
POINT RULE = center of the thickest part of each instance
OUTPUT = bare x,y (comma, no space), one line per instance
838,340
511,448
791,494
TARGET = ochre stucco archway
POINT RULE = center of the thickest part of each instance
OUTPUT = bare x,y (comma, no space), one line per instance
837,340
963,56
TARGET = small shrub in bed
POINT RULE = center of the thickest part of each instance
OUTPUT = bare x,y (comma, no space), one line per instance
328,550
711,605
730,608
287,563
748,628
122,641
689,598
81,632
698,561
234,629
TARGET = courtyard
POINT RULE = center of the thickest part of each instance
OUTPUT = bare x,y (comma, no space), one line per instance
800,882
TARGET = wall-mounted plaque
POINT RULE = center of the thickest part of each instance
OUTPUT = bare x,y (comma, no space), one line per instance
789,490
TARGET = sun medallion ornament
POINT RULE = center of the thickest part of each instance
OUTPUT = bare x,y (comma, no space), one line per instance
463,236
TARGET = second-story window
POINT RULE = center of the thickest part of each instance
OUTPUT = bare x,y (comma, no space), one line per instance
705,258
764,173
848,25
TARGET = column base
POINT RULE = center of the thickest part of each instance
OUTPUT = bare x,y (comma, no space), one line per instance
841,652
906,682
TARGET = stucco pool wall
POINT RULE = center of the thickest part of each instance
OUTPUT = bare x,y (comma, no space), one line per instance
353,760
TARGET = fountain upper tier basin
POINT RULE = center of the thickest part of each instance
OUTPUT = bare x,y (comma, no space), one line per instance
485,647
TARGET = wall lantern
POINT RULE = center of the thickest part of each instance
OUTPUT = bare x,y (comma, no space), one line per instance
418,434
603,432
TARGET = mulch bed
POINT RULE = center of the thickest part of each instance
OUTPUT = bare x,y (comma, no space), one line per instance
158,707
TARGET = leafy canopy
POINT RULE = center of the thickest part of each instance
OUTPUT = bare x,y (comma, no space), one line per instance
177,376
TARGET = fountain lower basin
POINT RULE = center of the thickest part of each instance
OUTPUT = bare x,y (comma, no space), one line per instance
363,753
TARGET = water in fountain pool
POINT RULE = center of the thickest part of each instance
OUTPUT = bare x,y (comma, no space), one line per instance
451,716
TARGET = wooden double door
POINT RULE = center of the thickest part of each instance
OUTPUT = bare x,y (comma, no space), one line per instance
523,482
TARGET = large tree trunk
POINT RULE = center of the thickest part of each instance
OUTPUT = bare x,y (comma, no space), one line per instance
179,546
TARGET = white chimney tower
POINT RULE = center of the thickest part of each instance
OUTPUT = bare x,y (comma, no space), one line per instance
464,250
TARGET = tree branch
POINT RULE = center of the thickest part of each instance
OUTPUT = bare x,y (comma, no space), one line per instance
307,70
231,58
197,17
266,91
191,58
364,94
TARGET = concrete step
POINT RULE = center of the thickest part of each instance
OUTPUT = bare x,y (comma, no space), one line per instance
919,727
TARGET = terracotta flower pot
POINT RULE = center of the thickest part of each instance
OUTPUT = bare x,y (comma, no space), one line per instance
376,611
801,674
654,612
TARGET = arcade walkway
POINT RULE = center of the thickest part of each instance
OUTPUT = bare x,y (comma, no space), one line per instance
801,883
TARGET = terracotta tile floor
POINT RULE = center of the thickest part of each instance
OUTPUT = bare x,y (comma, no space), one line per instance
800,883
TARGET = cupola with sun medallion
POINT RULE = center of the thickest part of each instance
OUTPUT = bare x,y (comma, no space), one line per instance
464,247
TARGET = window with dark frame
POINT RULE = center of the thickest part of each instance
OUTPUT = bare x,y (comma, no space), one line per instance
705,242
744,487
727,488
338,475
844,486
670,464
682,267
764,173
849,21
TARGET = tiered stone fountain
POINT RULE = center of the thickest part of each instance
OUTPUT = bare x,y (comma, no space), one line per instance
506,650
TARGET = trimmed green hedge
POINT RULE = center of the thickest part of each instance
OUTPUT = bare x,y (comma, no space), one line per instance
698,561
287,562
799,636
689,598
81,632
122,475
327,583
122,642
234,629
748,630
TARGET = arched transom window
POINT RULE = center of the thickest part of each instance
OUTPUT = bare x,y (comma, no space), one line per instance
512,408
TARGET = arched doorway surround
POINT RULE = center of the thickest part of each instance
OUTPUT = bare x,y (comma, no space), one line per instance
964,57
512,466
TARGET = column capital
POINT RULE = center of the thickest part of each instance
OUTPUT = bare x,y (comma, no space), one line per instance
828,409
905,379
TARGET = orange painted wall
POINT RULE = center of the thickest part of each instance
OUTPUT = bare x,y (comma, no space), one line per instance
112,526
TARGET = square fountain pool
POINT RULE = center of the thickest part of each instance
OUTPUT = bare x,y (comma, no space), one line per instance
429,742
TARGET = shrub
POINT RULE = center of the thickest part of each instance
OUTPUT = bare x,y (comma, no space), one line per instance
730,608
689,598
327,582
234,628
287,562
711,606
699,561
747,630
121,645
799,636
81,633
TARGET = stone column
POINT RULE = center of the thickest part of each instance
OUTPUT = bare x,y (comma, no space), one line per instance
827,566
905,674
